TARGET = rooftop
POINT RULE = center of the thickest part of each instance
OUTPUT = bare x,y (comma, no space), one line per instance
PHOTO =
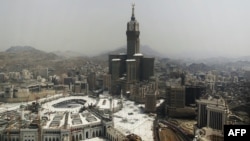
138,54
130,60
131,119
213,101
57,120
104,103
116,59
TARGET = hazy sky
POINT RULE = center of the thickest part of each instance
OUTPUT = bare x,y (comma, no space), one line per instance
198,28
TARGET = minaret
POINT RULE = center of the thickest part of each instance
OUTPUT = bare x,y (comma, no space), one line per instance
121,99
22,111
110,104
133,41
121,94
111,110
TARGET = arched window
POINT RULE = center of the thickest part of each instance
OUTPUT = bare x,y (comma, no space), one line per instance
57,139
93,134
49,139
76,137
46,139
80,136
100,133
73,138
54,139
96,133
87,135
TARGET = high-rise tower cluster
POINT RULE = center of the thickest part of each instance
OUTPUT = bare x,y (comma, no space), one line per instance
131,71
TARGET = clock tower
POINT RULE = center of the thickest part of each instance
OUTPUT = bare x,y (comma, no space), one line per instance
132,73
133,41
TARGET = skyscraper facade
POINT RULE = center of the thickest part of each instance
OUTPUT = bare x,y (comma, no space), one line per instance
212,113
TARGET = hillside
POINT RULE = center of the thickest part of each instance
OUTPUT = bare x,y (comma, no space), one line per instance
25,57
68,53
19,49
145,50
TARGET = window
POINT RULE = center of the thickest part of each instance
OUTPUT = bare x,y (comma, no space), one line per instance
87,135
80,136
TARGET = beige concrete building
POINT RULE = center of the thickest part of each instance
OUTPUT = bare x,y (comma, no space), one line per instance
212,113
175,96
150,101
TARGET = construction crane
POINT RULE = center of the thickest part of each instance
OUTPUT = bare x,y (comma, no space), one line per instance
9,128
20,126
21,119
8,132
39,130
27,100
38,118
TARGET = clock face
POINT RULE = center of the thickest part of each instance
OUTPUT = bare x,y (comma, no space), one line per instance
131,26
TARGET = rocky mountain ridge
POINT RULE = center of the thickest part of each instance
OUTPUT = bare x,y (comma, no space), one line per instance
19,57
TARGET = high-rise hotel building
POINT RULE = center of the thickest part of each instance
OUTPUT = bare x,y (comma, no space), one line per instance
212,113
131,69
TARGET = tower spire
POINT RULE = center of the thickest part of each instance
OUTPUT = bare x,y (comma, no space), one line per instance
133,9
